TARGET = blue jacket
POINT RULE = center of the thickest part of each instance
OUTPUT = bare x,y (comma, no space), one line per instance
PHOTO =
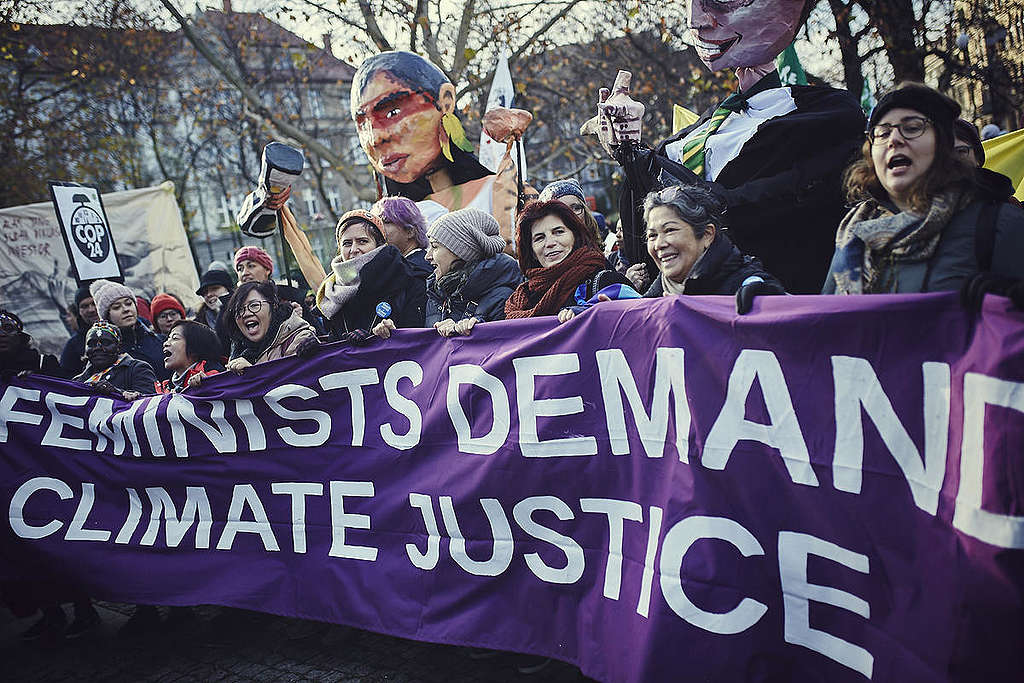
143,344
489,284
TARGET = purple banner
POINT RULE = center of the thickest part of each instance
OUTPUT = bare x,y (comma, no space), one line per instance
828,489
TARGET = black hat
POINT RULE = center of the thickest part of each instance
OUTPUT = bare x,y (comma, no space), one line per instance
941,110
966,131
82,294
216,276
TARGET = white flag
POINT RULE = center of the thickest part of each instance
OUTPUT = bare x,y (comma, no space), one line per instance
502,94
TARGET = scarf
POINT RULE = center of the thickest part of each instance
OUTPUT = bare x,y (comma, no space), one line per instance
102,375
546,289
872,241
452,281
341,285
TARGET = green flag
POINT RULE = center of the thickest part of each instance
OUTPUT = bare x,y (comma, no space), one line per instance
790,70
867,98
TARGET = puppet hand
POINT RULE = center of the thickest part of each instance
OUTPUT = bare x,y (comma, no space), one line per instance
236,365
637,274
565,315
619,117
383,328
275,202
753,287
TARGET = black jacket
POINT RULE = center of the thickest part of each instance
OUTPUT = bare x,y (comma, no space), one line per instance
488,286
386,278
141,342
28,358
128,375
721,270
783,190
418,264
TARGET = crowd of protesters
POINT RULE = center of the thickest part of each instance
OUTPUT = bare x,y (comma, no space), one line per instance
922,216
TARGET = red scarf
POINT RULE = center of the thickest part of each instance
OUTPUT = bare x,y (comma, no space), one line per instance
547,289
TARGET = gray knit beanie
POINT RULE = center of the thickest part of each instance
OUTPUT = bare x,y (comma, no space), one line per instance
105,293
470,234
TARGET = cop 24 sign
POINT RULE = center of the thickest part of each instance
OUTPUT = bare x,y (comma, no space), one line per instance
86,231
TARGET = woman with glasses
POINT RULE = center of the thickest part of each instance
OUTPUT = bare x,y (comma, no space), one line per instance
686,240
563,265
925,219
265,328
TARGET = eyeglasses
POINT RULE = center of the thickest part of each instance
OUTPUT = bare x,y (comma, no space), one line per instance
911,127
253,307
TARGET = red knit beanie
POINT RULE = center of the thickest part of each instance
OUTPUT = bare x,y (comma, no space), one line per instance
163,302
254,254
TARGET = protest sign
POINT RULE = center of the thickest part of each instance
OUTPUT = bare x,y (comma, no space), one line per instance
827,489
36,278
87,235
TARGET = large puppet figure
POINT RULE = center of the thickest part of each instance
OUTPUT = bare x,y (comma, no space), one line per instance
775,154
404,110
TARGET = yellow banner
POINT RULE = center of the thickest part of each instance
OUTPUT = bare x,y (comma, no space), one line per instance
1005,154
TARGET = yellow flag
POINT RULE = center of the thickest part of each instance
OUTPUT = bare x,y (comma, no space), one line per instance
683,117
1005,154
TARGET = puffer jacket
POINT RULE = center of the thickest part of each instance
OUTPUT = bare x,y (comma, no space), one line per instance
488,285
721,270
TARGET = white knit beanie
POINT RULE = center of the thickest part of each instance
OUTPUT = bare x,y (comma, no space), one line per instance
105,293
470,234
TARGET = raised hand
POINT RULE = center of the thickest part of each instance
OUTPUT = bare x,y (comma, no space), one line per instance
619,117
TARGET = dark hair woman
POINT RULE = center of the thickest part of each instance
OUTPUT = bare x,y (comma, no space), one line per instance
563,266
263,328
367,272
925,220
191,351
686,239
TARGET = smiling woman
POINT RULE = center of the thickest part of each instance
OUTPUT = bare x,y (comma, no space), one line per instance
926,220
264,328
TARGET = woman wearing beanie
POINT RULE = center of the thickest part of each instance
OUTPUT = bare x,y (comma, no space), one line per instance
926,221
167,309
570,192
473,277
253,264
368,272
405,228
115,304
563,266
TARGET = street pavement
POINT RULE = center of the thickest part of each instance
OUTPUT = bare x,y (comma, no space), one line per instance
231,645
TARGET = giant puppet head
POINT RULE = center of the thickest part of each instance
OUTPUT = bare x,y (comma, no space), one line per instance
403,107
728,34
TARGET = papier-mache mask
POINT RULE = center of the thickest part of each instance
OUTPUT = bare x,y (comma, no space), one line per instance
729,34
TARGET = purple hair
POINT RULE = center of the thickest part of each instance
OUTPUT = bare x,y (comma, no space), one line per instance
405,214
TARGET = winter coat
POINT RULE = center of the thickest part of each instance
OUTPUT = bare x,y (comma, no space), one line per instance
71,357
722,269
956,259
386,278
418,264
29,359
129,374
488,285
142,343
289,335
